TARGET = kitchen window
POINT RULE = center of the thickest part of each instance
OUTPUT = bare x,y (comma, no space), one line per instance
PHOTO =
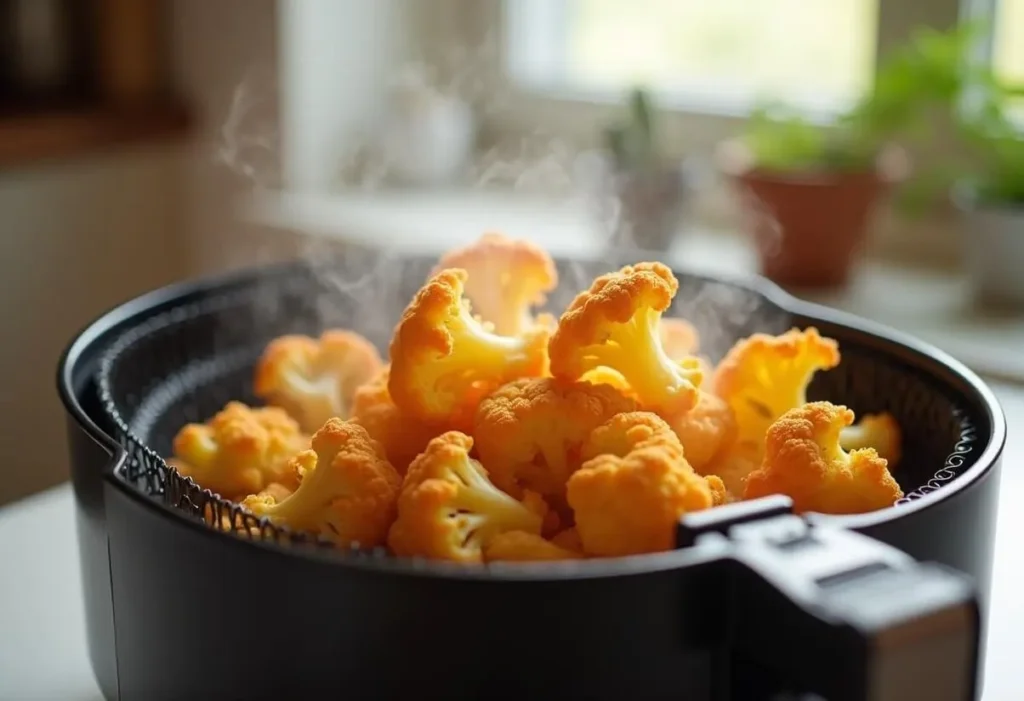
1008,39
564,63
714,57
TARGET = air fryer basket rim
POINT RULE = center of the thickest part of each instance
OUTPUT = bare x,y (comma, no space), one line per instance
810,313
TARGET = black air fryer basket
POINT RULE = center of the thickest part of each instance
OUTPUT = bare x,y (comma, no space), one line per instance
755,602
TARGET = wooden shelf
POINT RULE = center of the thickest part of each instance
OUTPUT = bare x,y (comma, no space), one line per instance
31,137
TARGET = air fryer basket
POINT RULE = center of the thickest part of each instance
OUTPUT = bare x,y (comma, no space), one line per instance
185,364
183,359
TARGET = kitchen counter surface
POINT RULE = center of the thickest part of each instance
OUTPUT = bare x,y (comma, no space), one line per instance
42,639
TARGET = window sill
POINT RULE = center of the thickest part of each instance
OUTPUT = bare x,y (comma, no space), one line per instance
927,301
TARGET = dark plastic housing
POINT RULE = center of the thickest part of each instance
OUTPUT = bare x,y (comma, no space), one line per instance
178,610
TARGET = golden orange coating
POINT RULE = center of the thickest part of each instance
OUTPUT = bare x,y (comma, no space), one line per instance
529,432
402,436
879,431
626,431
603,375
804,460
616,324
450,510
240,451
314,379
520,546
569,539
507,278
732,468
443,361
679,338
706,430
348,490
629,503
719,494
762,377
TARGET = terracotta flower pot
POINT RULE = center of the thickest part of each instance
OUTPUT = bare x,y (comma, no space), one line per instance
809,230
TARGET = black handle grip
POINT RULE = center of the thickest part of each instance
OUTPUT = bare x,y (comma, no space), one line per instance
826,611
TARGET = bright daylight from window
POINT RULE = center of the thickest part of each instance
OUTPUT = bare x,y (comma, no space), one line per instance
708,56
1008,50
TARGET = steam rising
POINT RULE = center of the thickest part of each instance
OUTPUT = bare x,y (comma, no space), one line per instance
367,289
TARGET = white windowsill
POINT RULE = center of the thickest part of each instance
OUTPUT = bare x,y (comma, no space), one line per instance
929,304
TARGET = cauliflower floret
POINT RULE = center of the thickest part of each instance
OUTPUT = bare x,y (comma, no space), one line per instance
803,459
348,489
450,510
443,361
878,431
529,432
628,430
569,539
628,501
519,546
719,494
313,379
402,436
762,377
616,324
280,492
731,469
602,375
706,430
240,451
506,279
631,430
679,338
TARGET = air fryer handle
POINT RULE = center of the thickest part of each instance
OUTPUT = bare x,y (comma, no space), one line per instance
827,611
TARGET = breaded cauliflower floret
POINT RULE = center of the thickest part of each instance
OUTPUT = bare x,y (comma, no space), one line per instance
313,379
569,539
240,451
402,436
616,324
878,431
450,510
706,430
679,338
529,432
762,377
719,494
628,501
626,431
348,491
507,278
732,467
803,459
519,546
443,361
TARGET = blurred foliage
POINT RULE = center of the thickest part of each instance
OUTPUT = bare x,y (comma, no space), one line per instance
934,72
993,168
632,141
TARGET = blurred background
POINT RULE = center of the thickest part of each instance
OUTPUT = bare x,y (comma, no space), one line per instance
862,153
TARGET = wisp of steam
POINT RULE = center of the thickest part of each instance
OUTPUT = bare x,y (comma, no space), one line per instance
375,284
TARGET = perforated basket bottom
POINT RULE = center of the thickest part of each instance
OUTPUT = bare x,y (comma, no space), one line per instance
184,364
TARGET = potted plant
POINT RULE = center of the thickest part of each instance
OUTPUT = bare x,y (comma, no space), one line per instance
648,187
989,193
816,186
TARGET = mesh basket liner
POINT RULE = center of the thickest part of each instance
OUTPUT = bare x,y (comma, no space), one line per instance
184,364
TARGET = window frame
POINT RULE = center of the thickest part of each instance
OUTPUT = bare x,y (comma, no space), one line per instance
577,115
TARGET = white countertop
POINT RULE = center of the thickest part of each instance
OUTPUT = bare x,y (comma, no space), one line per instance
42,638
